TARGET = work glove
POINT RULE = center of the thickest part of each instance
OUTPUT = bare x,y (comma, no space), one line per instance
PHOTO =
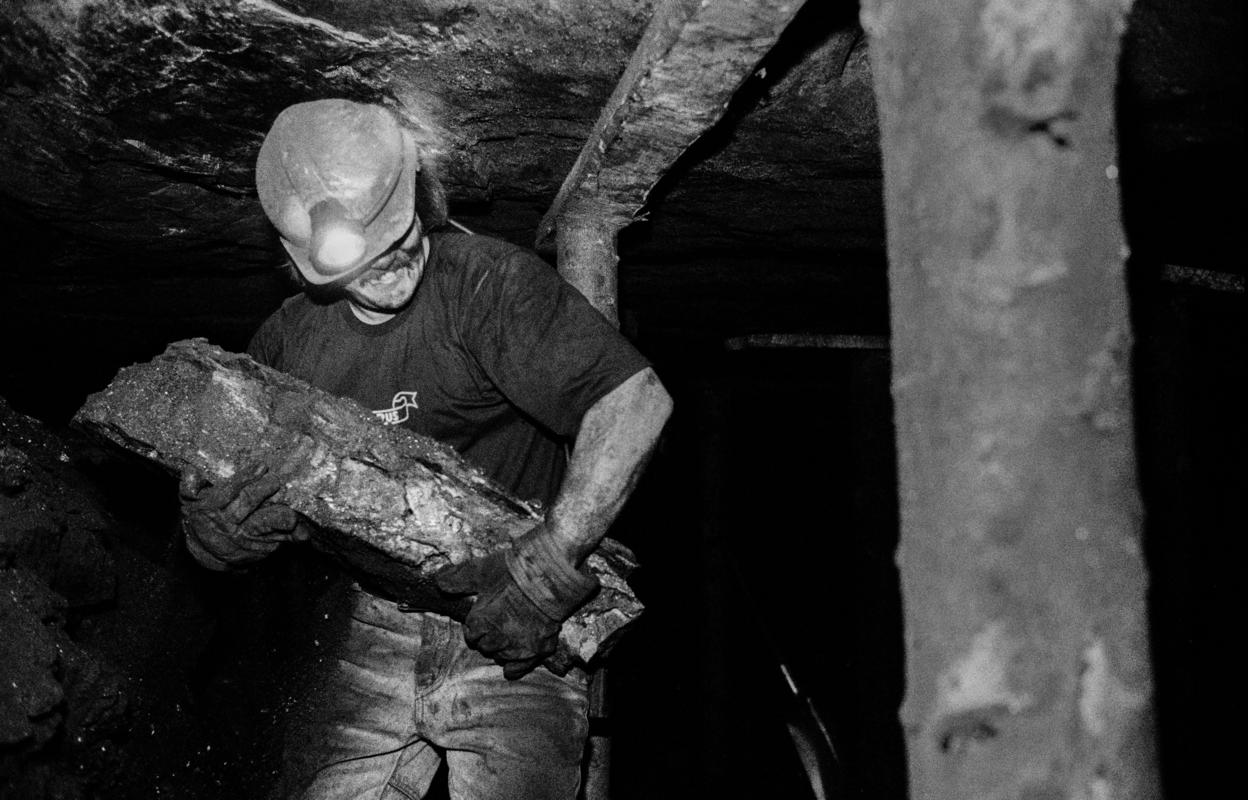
523,594
231,524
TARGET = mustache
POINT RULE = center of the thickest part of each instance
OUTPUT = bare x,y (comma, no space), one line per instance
395,261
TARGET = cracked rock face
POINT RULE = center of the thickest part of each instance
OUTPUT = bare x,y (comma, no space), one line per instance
130,132
136,125
58,698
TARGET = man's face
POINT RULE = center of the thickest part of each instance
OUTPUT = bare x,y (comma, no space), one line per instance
387,286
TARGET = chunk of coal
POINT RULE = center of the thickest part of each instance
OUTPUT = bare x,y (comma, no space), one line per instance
388,503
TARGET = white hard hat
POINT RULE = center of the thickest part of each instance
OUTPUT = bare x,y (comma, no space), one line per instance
337,179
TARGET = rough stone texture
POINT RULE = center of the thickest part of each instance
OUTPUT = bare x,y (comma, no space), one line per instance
149,691
130,128
140,95
130,131
690,62
52,526
30,695
1023,578
59,702
397,506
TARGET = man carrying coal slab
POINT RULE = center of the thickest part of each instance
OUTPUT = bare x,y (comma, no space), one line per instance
480,345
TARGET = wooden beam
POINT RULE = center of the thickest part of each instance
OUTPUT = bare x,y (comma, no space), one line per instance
1022,566
587,256
692,58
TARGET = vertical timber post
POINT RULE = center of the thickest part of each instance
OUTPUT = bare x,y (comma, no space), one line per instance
1023,579
587,259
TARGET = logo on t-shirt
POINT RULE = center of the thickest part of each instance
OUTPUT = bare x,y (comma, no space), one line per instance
402,403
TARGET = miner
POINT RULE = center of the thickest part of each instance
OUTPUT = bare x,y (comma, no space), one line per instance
479,344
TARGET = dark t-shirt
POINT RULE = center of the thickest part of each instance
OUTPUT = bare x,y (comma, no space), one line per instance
496,356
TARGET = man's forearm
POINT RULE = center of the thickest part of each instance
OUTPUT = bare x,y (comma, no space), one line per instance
615,440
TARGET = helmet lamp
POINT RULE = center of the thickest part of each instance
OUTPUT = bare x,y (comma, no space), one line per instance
338,242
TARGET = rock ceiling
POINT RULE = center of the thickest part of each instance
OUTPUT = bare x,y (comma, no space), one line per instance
130,130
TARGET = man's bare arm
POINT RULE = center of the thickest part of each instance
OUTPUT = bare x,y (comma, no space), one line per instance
526,592
615,440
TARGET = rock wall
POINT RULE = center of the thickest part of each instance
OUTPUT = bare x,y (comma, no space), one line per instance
60,702
125,670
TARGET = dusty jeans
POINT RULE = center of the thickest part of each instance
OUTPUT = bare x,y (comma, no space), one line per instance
404,690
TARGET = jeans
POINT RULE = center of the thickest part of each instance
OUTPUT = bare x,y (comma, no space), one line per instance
403,690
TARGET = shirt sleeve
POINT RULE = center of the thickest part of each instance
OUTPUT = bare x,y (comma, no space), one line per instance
265,344
541,343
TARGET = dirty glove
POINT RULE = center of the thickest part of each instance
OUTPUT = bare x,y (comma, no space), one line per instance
523,596
231,523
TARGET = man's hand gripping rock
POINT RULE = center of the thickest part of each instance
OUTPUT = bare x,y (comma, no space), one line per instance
233,523
524,594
